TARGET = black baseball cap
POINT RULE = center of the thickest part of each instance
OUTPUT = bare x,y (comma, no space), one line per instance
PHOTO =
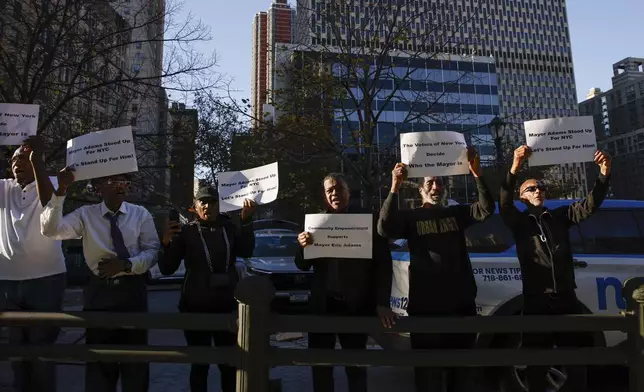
207,193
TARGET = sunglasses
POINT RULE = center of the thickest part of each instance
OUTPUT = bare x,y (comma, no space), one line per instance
533,188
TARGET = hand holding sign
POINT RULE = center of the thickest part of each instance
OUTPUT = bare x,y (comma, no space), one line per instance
520,155
474,161
304,239
248,209
34,146
398,177
65,179
604,161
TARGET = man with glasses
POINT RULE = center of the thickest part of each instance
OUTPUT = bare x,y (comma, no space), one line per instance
120,244
543,249
32,266
441,282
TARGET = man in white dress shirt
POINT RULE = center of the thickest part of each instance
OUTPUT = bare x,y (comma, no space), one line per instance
120,244
32,267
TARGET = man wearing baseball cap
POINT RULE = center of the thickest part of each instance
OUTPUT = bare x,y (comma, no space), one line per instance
209,247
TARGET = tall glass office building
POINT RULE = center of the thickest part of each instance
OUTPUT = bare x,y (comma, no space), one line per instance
450,93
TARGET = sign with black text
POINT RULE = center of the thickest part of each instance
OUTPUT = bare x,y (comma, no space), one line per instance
260,184
17,122
561,140
102,153
339,235
434,153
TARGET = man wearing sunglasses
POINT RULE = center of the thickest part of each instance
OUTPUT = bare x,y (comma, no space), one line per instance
543,249
120,244
441,282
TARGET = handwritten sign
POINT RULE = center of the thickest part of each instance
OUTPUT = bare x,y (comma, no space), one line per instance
17,122
102,153
437,153
339,235
260,184
561,140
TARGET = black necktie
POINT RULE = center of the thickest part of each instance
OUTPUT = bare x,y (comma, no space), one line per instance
117,237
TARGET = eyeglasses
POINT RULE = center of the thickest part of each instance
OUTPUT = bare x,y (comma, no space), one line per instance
533,188
118,182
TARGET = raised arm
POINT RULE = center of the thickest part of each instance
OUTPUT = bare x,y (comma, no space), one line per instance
58,227
44,186
583,209
245,236
508,211
174,248
481,209
391,223
149,245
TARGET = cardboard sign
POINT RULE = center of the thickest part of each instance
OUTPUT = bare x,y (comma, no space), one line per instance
434,153
102,153
561,140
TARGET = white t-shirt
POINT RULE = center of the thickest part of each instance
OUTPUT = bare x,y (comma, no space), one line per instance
24,252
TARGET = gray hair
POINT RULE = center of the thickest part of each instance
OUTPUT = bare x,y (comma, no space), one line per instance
337,177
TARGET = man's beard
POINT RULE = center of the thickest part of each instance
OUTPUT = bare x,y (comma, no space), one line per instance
434,200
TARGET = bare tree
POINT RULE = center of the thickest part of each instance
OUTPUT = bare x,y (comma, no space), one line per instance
99,64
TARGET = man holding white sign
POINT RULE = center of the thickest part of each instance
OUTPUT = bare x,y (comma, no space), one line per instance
351,281
441,282
546,259
120,244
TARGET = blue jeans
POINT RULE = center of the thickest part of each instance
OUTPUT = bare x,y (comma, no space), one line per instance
40,295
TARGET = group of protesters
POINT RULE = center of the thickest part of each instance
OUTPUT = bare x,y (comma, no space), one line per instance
120,244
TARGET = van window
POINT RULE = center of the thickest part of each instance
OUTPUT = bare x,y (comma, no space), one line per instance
612,232
490,236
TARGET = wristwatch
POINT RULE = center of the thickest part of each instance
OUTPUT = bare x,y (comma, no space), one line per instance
128,266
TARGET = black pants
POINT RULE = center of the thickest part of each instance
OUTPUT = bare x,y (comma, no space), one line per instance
555,304
323,375
123,294
429,379
218,302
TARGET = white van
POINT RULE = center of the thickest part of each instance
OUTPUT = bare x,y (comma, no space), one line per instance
608,249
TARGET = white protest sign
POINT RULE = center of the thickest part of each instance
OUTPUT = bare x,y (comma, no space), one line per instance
260,184
339,235
434,153
17,122
561,140
102,153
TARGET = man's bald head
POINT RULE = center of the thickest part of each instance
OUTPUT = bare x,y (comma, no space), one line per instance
533,192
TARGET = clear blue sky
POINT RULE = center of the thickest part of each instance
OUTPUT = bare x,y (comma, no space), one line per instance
602,32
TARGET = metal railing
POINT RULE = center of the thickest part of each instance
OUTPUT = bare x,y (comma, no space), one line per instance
254,356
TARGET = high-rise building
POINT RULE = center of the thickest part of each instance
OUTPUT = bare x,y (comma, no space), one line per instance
529,41
619,126
269,28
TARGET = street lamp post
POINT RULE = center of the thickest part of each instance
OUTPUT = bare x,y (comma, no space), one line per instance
497,126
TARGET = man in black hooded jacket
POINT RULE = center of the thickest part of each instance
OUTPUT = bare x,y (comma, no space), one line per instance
544,252
209,247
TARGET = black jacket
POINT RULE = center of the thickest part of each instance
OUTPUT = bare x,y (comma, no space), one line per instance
362,283
225,243
440,273
542,240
